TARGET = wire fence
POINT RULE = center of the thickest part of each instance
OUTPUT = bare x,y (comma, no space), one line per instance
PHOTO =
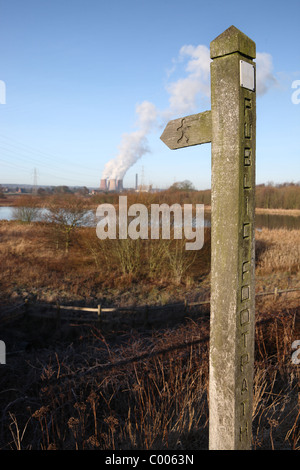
146,311
23,309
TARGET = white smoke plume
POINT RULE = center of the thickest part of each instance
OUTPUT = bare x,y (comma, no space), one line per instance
134,145
185,94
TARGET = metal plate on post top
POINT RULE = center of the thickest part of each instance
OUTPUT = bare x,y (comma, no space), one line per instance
247,75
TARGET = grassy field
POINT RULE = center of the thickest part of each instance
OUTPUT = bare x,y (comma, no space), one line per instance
34,264
81,387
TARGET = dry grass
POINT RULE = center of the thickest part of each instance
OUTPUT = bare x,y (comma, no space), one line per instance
292,212
56,393
34,263
278,250
62,396
30,263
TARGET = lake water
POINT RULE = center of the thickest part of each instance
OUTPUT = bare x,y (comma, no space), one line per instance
272,221
5,213
262,220
277,221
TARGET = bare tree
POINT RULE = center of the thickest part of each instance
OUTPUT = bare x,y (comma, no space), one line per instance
65,214
26,209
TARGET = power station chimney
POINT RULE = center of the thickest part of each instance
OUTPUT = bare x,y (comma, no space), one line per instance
136,181
112,185
120,185
103,184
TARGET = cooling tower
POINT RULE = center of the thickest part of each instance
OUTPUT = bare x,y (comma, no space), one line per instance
112,185
103,185
120,185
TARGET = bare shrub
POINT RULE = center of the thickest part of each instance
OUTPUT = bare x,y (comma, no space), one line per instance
65,215
26,209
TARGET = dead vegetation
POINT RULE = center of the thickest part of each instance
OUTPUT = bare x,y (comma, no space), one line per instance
82,388
79,387
281,251
35,262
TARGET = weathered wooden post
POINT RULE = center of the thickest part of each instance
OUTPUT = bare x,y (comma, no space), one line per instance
99,315
230,126
233,102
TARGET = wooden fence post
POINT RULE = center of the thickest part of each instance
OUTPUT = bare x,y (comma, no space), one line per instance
99,315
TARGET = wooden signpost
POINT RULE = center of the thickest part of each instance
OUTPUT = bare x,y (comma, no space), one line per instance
188,131
230,126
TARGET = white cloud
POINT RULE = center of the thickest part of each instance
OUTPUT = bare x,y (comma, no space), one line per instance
184,92
264,75
199,63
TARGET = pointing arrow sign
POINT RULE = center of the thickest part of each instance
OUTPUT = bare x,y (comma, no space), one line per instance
187,131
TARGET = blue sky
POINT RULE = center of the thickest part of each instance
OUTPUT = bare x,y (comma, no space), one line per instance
75,72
